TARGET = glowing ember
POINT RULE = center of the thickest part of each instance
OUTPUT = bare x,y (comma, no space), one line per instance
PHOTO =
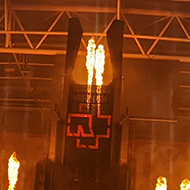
161,184
185,185
90,59
13,167
99,64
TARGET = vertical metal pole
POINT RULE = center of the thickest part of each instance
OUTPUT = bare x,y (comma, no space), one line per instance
115,44
6,21
118,9
1,116
9,28
6,14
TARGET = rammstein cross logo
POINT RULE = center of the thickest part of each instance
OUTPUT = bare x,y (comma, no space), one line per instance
81,133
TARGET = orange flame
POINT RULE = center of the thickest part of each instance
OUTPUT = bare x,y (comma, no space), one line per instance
99,64
13,167
185,185
161,183
95,59
90,59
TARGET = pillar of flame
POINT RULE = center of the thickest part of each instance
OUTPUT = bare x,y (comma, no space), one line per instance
99,64
95,59
99,68
13,167
161,183
185,185
90,61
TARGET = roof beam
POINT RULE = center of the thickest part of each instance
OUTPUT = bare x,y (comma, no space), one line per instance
33,51
63,8
91,9
53,33
153,120
185,59
25,100
63,52
29,64
156,12
20,78
19,108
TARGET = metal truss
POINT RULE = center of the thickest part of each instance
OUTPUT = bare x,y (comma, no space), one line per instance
10,15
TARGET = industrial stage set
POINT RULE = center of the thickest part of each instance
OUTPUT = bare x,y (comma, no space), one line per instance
94,95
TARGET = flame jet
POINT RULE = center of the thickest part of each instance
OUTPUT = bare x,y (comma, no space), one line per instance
185,185
13,167
90,61
95,59
99,68
99,64
161,183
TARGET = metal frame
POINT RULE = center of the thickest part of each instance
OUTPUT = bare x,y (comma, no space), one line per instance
10,15
119,14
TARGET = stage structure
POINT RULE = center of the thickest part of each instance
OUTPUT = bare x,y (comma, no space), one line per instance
88,132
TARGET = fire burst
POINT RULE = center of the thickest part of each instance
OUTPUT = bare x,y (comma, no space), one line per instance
90,59
95,59
161,183
99,67
13,167
185,185
99,64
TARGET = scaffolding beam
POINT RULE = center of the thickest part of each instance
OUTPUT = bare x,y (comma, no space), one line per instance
95,9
